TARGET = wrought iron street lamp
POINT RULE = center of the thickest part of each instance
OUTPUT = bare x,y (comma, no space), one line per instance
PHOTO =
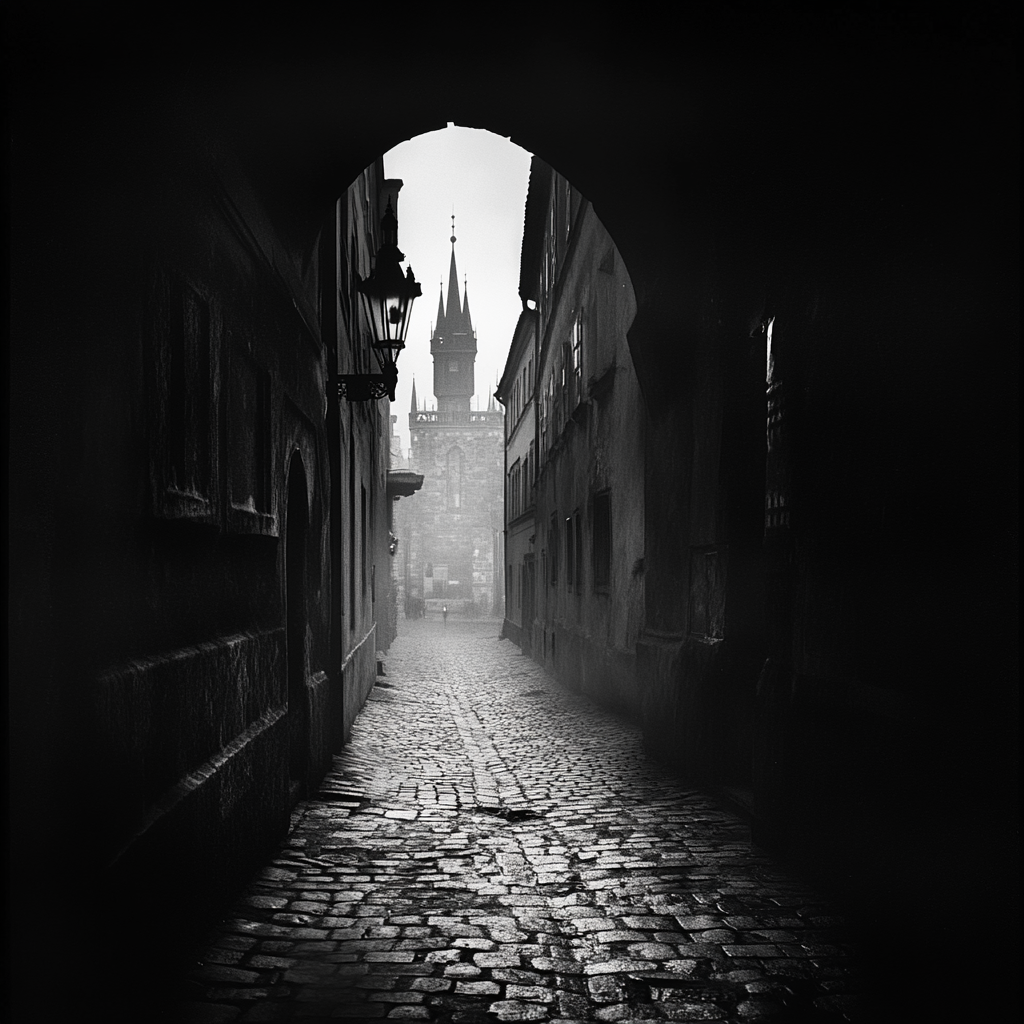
387,299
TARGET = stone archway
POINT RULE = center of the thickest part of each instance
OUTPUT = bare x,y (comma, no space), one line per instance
876,186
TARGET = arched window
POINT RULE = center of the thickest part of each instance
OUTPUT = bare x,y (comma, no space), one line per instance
454,477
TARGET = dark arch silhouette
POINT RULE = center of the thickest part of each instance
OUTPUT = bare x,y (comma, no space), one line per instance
874,168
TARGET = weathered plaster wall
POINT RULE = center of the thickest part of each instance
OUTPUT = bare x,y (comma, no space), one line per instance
588,631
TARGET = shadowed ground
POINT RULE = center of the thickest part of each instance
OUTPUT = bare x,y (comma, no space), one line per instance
490,846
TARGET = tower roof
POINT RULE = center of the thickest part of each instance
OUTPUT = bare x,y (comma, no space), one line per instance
453,346
454,324
412,404
454,306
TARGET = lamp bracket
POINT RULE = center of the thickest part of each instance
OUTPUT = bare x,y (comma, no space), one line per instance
366,387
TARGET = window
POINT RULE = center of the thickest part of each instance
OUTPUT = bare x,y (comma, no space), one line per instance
184,459
601,527
708,568
553,548
514,493
249,413
545,418
188,405
440,580
454,479
579,552
351,531
564,384
569,551
577,359
362,539
551,246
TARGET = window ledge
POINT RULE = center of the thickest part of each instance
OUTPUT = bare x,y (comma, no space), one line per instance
246,519
189,506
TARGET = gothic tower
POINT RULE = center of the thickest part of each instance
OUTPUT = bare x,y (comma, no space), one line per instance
451,534
453,346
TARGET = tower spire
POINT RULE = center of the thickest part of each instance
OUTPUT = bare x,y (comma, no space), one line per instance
454,305
453,345
412,404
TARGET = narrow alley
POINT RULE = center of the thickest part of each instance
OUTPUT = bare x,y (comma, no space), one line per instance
490,846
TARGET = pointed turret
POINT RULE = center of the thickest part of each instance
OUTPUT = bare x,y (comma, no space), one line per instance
467,319
412,404
440,309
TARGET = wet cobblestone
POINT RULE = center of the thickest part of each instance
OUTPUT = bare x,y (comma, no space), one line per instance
491,847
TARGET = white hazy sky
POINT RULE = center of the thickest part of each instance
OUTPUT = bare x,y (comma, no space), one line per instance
484,177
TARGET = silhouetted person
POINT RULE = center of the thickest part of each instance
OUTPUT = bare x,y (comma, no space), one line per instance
444,615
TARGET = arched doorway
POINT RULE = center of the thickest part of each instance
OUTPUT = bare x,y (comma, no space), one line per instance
297,525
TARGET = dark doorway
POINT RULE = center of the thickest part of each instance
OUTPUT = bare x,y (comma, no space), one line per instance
295,636
529,583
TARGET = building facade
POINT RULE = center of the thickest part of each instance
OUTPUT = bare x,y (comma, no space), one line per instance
516,392
199,538
587,464
450,534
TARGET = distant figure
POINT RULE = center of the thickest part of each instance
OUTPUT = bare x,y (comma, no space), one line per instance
444,616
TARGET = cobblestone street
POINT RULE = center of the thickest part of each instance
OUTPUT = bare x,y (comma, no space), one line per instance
491,847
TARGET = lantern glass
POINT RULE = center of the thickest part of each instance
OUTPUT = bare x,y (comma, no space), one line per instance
387,300
387,296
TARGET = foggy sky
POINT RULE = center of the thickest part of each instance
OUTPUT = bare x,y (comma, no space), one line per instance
484,177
